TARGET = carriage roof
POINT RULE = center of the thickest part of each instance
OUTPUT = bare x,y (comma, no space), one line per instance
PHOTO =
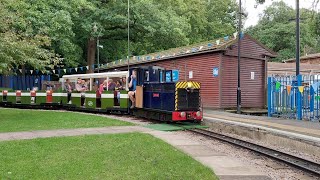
97,75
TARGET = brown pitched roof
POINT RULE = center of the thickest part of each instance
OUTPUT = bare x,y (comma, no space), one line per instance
220,44
278,67
310,56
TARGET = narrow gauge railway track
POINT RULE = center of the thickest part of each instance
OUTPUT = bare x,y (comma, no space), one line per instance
300,163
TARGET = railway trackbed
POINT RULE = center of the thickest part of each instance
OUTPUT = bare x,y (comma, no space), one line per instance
297,162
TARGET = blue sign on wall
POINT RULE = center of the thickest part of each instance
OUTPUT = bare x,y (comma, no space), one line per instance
175,75
215,72
168,76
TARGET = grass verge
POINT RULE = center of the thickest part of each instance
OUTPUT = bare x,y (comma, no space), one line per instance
13,120
117,156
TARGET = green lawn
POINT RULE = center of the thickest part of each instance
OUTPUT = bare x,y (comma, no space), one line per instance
117,156
25,120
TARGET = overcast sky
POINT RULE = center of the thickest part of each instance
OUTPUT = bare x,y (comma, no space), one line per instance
253,13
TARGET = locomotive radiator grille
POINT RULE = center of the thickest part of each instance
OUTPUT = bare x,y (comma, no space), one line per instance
196,85
187,96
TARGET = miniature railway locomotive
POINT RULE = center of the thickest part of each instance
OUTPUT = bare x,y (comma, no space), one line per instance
156,95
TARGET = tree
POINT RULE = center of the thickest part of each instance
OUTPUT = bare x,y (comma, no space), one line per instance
18,46
66,27
276,29
160,25
314,3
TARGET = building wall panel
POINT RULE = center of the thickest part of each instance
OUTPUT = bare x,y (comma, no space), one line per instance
252,90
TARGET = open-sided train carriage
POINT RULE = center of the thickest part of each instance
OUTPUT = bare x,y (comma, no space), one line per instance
111,100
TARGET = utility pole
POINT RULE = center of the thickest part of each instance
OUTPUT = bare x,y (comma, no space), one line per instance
299,77
128,33
239,54
98,47
297,38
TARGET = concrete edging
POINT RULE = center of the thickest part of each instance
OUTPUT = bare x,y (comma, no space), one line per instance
278,138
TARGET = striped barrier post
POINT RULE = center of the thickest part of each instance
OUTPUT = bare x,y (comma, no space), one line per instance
33,97
18,97
49,96
4,96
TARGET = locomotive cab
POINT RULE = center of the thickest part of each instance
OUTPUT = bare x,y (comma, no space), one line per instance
159,97
145,75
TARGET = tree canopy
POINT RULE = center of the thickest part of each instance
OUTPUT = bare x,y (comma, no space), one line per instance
277,30
40,34
19,45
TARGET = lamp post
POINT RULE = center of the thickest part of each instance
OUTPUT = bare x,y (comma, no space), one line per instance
98,48
98,54
95,29
239,54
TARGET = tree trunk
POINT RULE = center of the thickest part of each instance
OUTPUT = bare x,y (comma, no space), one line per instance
91,54
23,67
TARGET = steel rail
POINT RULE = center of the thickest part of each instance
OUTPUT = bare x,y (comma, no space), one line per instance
300,163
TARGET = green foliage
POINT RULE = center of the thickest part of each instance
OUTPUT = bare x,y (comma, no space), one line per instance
43,33
18,46
277,29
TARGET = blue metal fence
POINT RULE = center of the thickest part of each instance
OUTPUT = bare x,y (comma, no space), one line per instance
23,82
294,97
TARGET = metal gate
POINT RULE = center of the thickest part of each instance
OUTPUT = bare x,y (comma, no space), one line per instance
294,97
